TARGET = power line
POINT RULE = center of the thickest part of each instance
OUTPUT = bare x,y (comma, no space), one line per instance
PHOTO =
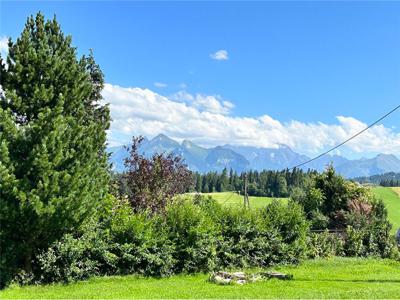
349,139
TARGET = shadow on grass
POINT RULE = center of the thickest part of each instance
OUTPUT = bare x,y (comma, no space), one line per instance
353,280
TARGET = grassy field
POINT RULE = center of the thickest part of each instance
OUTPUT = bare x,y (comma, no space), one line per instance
335,278
391,197
231,198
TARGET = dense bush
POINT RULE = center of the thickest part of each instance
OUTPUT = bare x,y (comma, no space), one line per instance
244,241
260,238
141,243
193,234
122,243
74,258
331,202
368,231
324,244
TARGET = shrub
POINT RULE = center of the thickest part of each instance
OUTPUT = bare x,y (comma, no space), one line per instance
324,244
120,243
244,241
368,232
292,226
261,238
141,243
75,258
193,234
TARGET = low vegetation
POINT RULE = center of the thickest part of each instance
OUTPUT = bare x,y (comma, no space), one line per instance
334,278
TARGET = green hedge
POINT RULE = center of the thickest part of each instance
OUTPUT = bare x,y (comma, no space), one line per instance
192,236
199,236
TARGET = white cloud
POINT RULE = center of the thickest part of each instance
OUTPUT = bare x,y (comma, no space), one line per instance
4,44
3,47
160,84
213,103
220,55
204,120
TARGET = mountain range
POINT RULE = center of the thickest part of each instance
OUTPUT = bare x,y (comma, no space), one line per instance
241,158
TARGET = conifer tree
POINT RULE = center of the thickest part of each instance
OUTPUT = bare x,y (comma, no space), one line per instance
53,164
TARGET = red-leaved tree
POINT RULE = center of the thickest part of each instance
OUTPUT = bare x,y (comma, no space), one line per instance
153,182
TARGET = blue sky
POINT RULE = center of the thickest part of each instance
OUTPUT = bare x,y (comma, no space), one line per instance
305,62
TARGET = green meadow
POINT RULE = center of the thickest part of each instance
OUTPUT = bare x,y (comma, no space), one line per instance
314,279
391,198
234,199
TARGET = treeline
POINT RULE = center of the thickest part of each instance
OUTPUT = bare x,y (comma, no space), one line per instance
264,183
389,182
387,179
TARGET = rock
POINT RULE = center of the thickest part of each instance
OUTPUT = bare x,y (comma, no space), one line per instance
241,281
240,278
223,274
238,275
220,280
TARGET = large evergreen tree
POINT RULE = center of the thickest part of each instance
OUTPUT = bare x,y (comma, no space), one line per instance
53,164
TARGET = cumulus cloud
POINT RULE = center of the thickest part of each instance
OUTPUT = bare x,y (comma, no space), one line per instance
220,55
160,84
210,103
204,120
3,47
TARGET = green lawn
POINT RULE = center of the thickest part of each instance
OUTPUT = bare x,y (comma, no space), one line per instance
335,278
231,198
391,197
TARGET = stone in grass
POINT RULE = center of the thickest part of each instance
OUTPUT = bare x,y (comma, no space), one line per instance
240,281
221,280
277,275
240,278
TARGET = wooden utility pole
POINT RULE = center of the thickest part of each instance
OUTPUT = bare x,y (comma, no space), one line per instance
245,196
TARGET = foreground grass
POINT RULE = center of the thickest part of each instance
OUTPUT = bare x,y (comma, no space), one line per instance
391,198
234,199
334,278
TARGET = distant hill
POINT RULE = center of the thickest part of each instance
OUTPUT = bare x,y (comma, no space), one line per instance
241,158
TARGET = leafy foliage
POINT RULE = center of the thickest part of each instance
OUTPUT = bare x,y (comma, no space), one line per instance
193,235
331,202
153,182
324,244
188,238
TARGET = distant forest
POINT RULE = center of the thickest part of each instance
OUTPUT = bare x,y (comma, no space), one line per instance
263,183
259,183
387,179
